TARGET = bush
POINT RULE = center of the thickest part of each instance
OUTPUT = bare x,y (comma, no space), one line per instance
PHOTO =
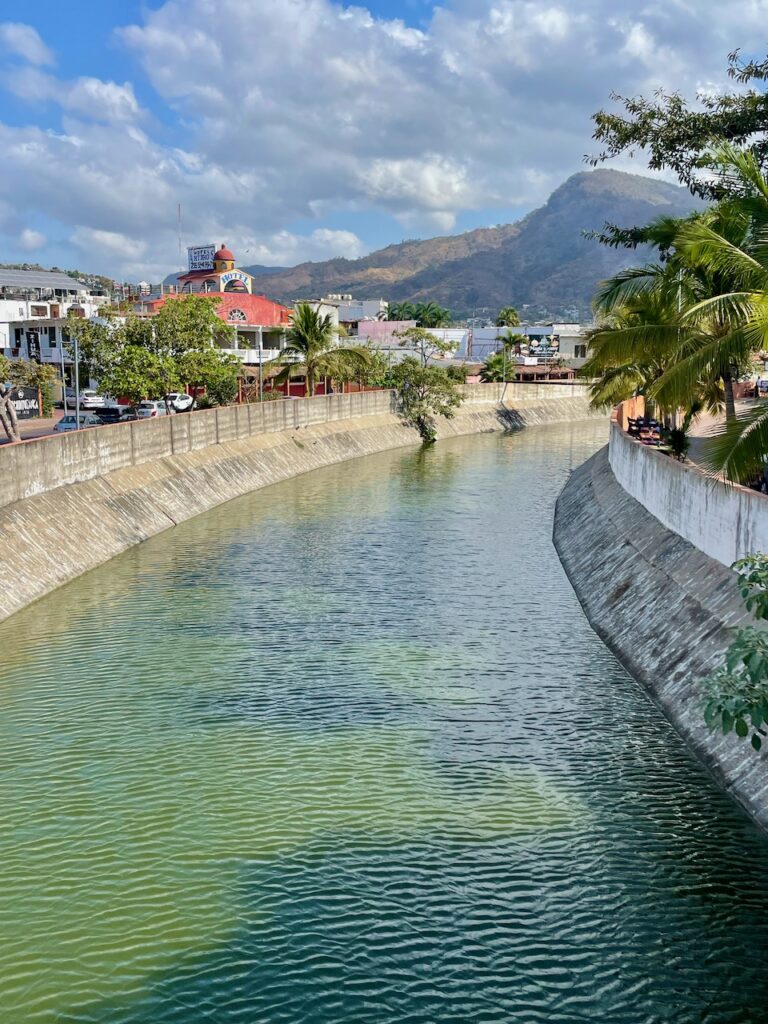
738,692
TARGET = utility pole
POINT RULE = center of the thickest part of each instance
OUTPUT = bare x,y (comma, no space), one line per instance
77,383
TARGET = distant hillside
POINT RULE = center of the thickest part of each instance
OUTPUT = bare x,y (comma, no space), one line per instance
543,261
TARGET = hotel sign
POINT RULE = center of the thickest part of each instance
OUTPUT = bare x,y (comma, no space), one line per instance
201,257
234,275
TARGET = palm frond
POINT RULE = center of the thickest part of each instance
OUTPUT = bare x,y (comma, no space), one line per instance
739,451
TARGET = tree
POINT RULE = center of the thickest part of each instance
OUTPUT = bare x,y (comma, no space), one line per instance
508,317
679,138
16,373
497,368
373,373
426,314
401,311
142,357
137,373
312,351
213,370
185,324
94,342
424,393
427,345
429,314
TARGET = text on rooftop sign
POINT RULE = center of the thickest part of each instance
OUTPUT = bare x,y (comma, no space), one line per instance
201,257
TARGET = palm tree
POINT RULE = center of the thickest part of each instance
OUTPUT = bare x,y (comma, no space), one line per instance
401,311
429,314
312,350
508,317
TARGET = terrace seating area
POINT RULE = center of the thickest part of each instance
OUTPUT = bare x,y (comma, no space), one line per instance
645,430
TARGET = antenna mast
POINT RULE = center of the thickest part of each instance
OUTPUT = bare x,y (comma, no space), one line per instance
178,212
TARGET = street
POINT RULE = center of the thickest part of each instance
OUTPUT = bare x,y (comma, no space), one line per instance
37,427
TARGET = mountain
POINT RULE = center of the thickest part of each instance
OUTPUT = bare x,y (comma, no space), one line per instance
542,262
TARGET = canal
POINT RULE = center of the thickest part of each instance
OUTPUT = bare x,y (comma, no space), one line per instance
345,751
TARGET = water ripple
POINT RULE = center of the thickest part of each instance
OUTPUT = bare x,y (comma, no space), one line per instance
346,751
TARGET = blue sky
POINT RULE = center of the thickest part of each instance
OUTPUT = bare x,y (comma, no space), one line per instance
306,129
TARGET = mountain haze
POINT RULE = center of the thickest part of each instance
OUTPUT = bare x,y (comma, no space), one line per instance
543,261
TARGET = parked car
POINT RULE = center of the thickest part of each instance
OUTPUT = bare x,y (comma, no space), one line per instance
89,399
69,422
117,414
180,402
146,410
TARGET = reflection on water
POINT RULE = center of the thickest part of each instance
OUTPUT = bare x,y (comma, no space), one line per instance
345,750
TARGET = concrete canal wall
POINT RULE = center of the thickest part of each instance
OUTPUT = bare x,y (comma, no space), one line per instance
71,502
662,604
725,523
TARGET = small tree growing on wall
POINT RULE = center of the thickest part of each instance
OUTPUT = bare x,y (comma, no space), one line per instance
424,394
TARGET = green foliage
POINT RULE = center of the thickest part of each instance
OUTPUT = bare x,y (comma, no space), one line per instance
138,373
372,373
753,584
457,372
313,353
498,367
424,394
678,136
146,357
738,692
679,442
508,317
426,314
18,373
213,370
427,345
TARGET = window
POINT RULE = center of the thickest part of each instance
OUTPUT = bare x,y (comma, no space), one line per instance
237,314
39,311
580,351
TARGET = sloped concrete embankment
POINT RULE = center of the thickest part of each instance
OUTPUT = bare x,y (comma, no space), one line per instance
664,608
70,503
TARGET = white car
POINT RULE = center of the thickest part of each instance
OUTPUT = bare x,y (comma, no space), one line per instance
88,400
180,402
146,410
69,422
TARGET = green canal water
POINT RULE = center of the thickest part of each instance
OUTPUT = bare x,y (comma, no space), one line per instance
346,751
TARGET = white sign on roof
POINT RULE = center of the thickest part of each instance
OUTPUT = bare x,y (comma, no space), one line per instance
201,257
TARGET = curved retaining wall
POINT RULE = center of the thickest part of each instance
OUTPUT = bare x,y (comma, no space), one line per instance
723,521
663,606
69,503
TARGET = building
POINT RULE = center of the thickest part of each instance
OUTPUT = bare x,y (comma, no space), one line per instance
34,306
353,312
260,323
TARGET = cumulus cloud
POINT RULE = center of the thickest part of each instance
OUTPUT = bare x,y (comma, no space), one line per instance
30,240
89,97
302,111
24,41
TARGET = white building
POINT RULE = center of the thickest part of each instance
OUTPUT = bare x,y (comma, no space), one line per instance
353,311
34,305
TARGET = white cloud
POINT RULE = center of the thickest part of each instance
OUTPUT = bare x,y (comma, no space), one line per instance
89,97
30,240
301,111
24,41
